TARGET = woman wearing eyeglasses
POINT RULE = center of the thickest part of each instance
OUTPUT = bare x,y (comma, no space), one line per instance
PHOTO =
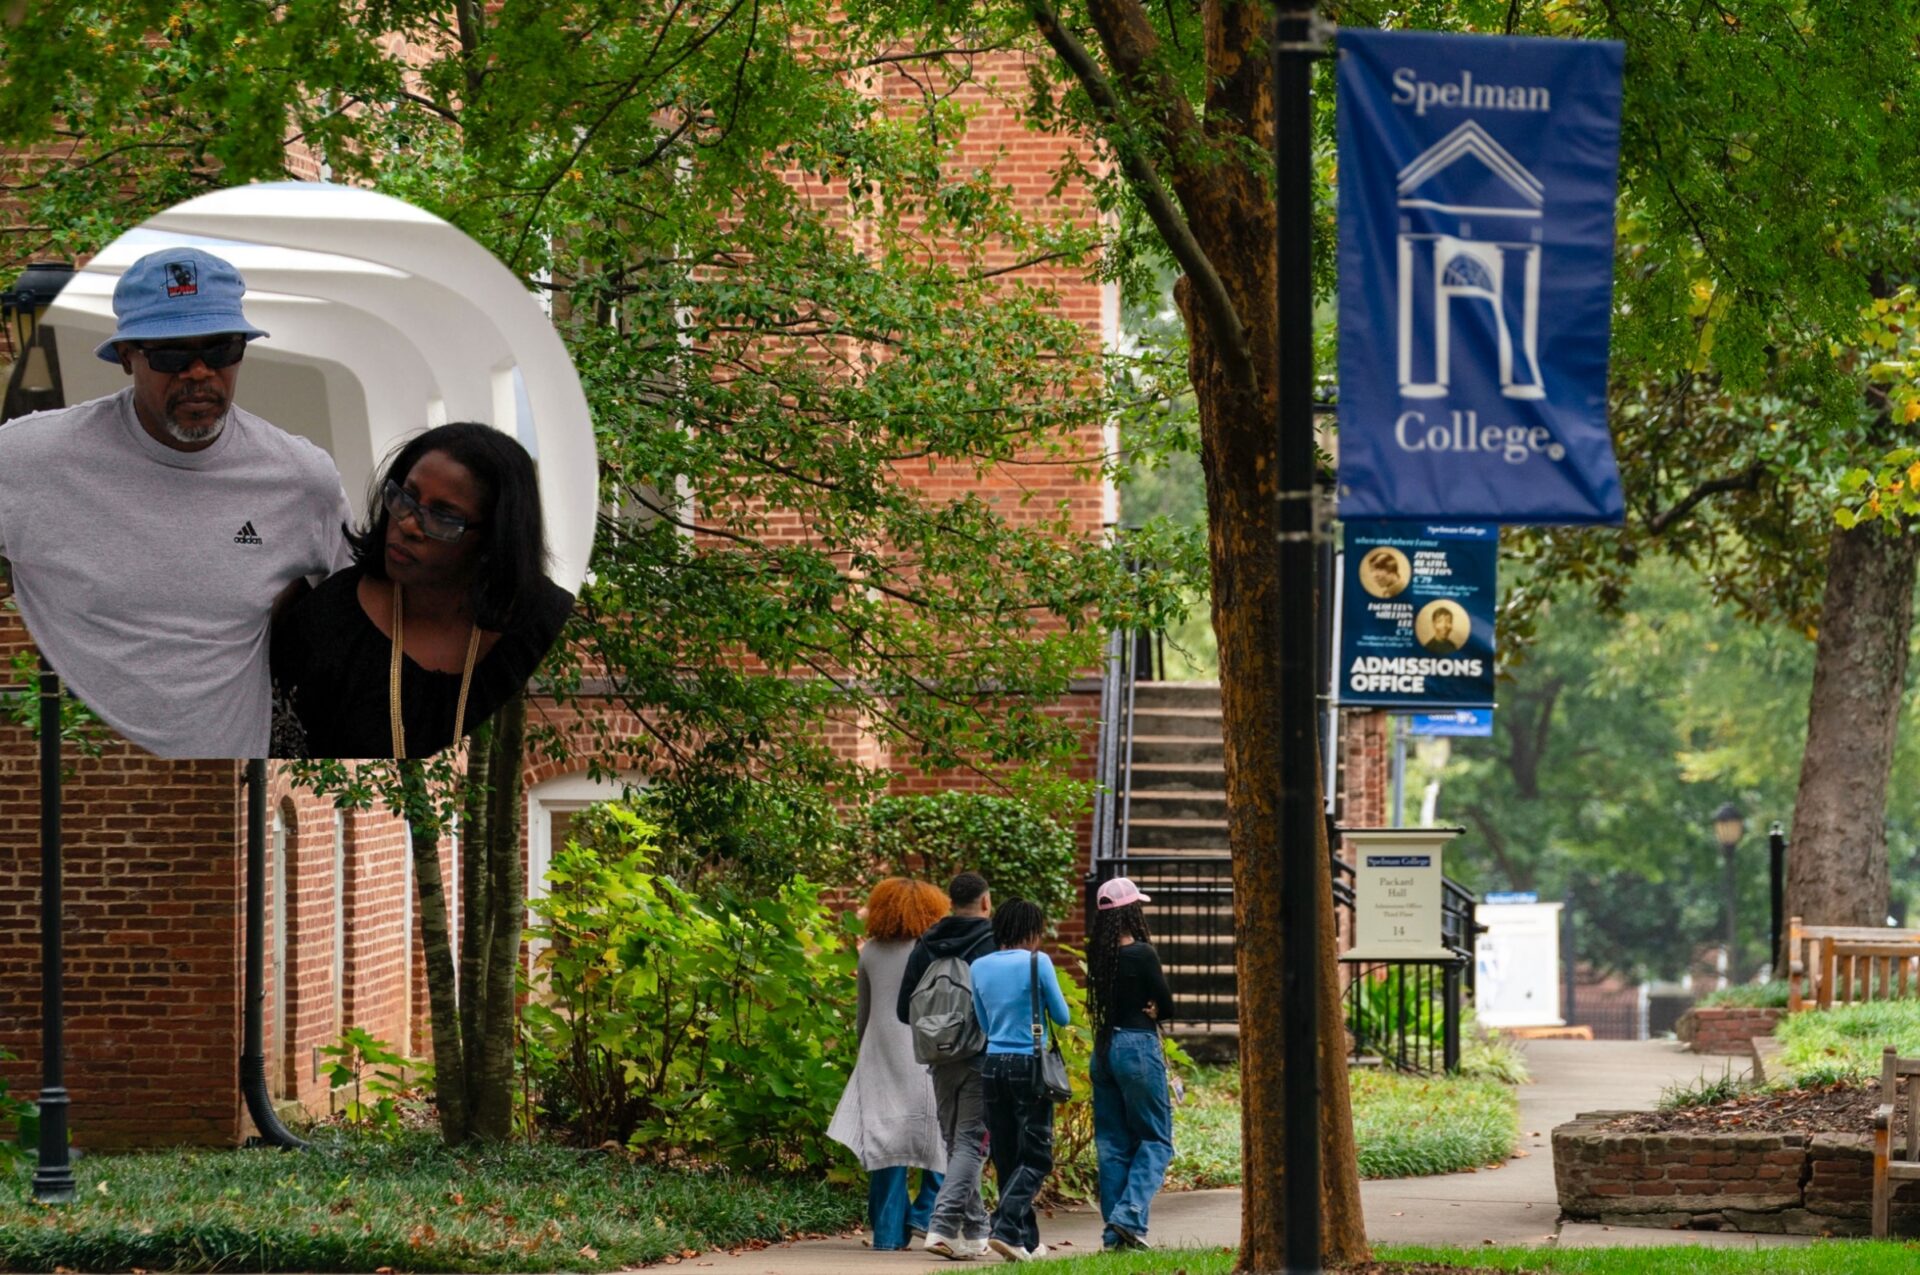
444,614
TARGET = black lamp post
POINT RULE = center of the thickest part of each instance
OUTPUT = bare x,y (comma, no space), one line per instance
34,385
1728,825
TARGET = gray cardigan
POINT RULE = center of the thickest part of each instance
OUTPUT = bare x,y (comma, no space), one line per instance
887,1115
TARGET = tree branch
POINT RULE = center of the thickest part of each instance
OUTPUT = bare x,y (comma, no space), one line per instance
1159,203
1747,479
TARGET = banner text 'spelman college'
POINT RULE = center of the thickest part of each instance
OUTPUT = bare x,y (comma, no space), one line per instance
1477,189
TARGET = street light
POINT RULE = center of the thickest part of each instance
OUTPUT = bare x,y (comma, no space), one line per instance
33,385
1728,825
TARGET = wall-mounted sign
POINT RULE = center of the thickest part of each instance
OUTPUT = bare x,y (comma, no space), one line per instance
1477,187
1396,893
1460,722
1416,623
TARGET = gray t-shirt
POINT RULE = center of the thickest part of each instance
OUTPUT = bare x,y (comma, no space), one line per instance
147,575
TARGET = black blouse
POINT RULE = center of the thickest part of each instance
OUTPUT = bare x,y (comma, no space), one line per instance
330,665
1138,982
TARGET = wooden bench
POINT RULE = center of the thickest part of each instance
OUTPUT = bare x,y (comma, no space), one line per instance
1889,1172
1830,965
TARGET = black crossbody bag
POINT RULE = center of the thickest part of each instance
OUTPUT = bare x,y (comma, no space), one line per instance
1050,1067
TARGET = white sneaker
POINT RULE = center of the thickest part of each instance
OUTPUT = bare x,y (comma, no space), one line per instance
975,1248
946,1246
1009,1252
1037,1252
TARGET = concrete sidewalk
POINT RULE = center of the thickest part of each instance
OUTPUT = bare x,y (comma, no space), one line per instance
1515,1204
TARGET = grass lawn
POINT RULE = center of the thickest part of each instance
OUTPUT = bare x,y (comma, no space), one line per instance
1405,1126
1838,1257
1844,1043
361,1203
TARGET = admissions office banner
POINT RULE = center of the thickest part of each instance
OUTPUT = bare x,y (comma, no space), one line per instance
1477,187
1416,616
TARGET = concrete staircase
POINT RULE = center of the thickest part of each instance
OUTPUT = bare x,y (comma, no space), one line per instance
1176,844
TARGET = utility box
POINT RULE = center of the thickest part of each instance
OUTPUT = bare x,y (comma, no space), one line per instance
1517,981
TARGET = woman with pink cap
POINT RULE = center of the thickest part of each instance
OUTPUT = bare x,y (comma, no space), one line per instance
1128,999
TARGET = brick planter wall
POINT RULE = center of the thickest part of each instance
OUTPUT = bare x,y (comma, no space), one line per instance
1726,1030
1771,1183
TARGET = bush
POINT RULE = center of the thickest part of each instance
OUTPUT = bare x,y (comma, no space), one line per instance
24,1117
1746,996
1707,1091
1845,1042
1487,1055
1021,853
408,1203
1387,1006
1410,1126
718,1026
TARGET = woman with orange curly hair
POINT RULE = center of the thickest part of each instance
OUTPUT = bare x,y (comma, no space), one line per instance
887,1116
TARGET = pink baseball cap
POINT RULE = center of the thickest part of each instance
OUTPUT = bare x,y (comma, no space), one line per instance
1119,892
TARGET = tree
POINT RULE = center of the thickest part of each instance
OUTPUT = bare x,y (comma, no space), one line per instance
806,331
1179,103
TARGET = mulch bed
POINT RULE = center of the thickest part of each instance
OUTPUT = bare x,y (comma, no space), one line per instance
1816,1109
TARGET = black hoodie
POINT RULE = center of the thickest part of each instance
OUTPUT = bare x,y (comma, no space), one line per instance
967,937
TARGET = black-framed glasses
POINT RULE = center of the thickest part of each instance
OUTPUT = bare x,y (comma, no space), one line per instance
432,523
175,359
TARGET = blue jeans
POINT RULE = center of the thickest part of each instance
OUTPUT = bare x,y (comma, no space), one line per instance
888,1211
1132,1128
1020,1140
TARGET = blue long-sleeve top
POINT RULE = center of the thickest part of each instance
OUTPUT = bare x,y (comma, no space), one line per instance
1003,999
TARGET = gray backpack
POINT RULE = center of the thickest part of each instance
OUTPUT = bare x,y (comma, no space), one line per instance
940,1013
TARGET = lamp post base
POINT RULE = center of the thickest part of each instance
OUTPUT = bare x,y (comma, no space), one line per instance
53,1178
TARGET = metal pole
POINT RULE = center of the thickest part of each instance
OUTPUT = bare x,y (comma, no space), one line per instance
253,1050
1777,883
1397,815
1732,887
53,1175
1294,52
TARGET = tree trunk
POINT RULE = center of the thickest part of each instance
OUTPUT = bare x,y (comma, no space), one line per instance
449,1069
474,1028
1837,859
506,897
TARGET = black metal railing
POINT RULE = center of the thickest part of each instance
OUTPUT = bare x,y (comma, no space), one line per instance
1407,1014
1192,930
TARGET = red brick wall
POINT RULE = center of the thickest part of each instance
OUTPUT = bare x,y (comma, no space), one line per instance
153,888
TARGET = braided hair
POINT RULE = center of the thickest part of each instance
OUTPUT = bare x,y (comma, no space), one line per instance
1018,922
1103,961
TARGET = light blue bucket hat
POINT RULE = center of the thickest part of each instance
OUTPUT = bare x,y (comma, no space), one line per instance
177,292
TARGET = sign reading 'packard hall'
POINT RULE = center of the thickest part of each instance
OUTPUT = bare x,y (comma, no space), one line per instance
1477,190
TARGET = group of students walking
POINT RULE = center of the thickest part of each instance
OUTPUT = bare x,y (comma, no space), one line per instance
966,1069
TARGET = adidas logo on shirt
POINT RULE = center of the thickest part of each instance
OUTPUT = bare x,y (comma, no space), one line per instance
246,535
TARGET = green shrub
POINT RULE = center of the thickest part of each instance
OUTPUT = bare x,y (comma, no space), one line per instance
717,1025
1487,1055
1411,1126
1385,1007
1746,996
1021,853
1845,1043
24,1117
1707,1091
407,1203
376,1077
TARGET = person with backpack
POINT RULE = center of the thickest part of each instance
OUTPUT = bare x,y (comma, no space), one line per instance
1016,994
936,1003
887,1115
1127,1000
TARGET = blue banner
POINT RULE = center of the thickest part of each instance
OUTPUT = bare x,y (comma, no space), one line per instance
1470,723
1416,615
1477,187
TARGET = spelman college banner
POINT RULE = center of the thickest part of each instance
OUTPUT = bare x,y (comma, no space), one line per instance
1416,615
1477,185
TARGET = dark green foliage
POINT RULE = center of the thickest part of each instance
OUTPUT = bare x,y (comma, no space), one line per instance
716,1024
1022,853
25,1119
356,1203
1387,1008
1412,1126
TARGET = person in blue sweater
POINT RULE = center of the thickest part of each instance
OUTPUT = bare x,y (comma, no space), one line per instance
1019,1113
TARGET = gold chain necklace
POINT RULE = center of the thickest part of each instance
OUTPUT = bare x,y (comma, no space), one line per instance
393,679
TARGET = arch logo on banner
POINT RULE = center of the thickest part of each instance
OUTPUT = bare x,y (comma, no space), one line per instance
1477,190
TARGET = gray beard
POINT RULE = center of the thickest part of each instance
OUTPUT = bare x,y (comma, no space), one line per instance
192,437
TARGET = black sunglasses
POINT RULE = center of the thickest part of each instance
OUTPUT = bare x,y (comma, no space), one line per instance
175,359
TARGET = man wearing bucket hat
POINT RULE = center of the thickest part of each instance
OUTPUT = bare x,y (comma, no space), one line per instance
151,531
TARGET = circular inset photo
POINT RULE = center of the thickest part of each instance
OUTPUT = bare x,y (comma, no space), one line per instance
1385,571
1442,626
312,475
